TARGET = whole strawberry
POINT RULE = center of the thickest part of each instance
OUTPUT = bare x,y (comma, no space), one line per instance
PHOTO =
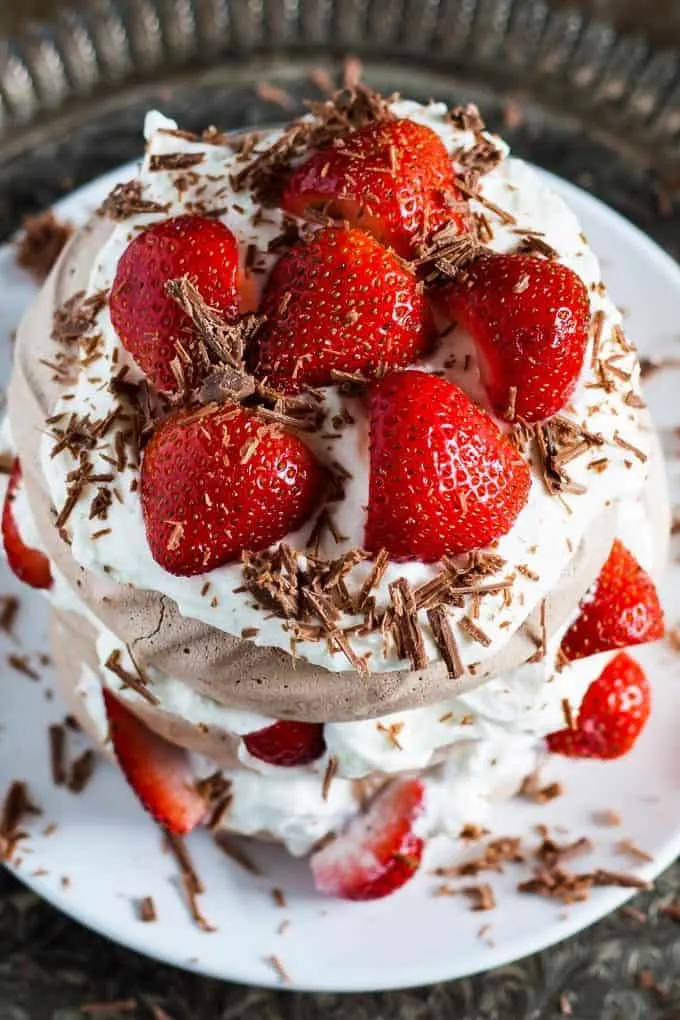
444,479
30,565
287,743
339,302
151,325
220,480
378,852
530,320
392,178
612,715
621,609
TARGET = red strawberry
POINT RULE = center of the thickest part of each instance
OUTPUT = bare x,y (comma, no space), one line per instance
148,321
444,479
339,301
220,480
612,716
157,770
393,178
622,608
530,320
378,852
30,565
287,743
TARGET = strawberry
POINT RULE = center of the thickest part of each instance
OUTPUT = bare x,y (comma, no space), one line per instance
158,771
612,715
392,178
148,321
530,320
339,301
444,479
378,852
30,565
622,608
220,480
287,743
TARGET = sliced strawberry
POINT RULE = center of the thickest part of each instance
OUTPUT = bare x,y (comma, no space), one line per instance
220,480
287,743
378,852
612,716
151,325
529,319
392,178
30,565
340,301
444,479
621,609
158,771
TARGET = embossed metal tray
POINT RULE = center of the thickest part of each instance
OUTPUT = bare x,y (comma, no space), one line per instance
600,108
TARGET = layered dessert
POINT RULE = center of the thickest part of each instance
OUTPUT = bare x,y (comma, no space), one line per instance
332,460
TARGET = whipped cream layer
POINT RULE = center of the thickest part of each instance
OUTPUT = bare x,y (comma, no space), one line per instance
548,530
471,751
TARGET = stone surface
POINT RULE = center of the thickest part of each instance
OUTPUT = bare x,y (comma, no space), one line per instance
50,966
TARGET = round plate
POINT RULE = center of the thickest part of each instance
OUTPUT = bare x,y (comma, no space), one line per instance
105,855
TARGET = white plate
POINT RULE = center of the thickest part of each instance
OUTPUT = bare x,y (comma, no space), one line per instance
110,852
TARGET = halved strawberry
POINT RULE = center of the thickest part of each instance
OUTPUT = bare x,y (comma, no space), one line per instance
392,178
148,321
30,565
444,479
158,771
621,609
220,480
287,743
530,320
378,852
339,301
612,715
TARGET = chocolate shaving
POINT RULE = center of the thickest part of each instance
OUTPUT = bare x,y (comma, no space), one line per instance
225,342
146,910
474,631
442,257
42,242
446,641
466,118
9,608
57,737
481,896
531,244
82,770
76,316
21,665
189,879
373,579
176,161
504,850
329,775
16,806
532,789
406,627
126,200
275,962
137,680
482,157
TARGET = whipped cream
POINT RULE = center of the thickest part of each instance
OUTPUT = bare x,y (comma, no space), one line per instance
548,529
